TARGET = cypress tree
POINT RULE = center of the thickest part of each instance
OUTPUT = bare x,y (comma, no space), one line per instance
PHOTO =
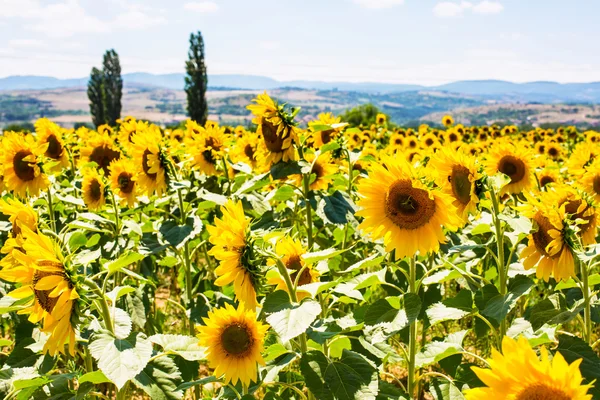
113,87
196,80
96,96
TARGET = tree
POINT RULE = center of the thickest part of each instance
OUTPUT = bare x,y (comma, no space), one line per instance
364,115
113,87
96,96
196,80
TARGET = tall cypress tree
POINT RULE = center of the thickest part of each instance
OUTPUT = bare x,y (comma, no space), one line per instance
96,96
113,87
196,80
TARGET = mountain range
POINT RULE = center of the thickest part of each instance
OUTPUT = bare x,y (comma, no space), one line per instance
543,92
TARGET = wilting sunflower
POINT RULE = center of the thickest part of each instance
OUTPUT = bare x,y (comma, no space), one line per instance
322,168
150,162
513,161
547,250
100,148
381,119
456,173
19,215
45,281
20,160
122,181
208,148
50,133
517,373
447,121
399,208
234,341
290,252
229,236
277,129
93,188
580,210
590,181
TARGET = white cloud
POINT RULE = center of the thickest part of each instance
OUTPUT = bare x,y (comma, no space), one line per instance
488,7
378,4
137,18
450,9
25,43
202,6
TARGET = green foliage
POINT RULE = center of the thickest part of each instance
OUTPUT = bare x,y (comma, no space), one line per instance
196,80
113,87
97,94
364,115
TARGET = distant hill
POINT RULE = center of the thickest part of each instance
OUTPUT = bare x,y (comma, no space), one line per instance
542,92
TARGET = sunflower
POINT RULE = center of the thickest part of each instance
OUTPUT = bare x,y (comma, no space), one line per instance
324,136
22,169
512,161
128,129
452,135
548,176
19,215
150,162
234,341
276,128
93,188
399,208
581,211
100,149
323,168
456,173
590,181
582,156
122,181
290,252
229,236
246,150
517,373
429,140
208,148
547,249
50,133
380,119
447,121
45,281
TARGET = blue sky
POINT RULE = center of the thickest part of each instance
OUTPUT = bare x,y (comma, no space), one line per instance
400,41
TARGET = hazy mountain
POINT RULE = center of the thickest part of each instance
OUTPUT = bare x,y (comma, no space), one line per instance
544,92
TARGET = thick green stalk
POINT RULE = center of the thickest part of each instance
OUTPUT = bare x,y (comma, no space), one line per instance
501,262
187,263
587,311
51,210
292,291
412,339
104,309
306,183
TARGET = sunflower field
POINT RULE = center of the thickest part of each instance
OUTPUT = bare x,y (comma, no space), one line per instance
286,262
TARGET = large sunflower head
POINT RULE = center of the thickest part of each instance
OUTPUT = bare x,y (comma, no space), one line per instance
456,173
151,163
517,373
232,248
547,250
47,284
590,181
276,127
93,189
21,163
234,342
100,149
208,148
122,181
513,161
581,158
128,129
398,207
51,134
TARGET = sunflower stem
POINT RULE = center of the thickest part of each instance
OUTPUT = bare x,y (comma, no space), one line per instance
587,311
187,264
227,176
104,309
501,262
412,339
51,209
117,216
306,184
292,291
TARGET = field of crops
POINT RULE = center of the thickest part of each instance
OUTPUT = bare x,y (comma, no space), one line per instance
287,262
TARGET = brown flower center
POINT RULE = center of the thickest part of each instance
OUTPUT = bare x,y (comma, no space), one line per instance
249,152
408,207
571,208
125,182
272,140
542,237
95,190
103,156
295,265
552,151
43,296
55,149
23,169
541,391
318,170
461,185
546,179
326,136
236,339
145,166
513,167
597,184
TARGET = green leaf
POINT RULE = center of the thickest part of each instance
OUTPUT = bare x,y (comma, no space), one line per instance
284,169
283,193
160,380
336,208
353,377
120,359
452,308
593,280
277,301
365,263
137,310
184,346
5,343
122,323
317,256
498,181
499,306
273,367
203,381
291,322
387,391
126,259
573,348
77,240
177,235
386,317
444,390
435,351
95,377
118,292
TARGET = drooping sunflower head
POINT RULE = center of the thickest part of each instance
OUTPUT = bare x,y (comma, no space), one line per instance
151,163
234,342
290,252
100,149
579,209
51,134
93,189
238,263
513,161
277,129
20,215
122,181
398,207
447,121
517,373
21,163
456,173
208,148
